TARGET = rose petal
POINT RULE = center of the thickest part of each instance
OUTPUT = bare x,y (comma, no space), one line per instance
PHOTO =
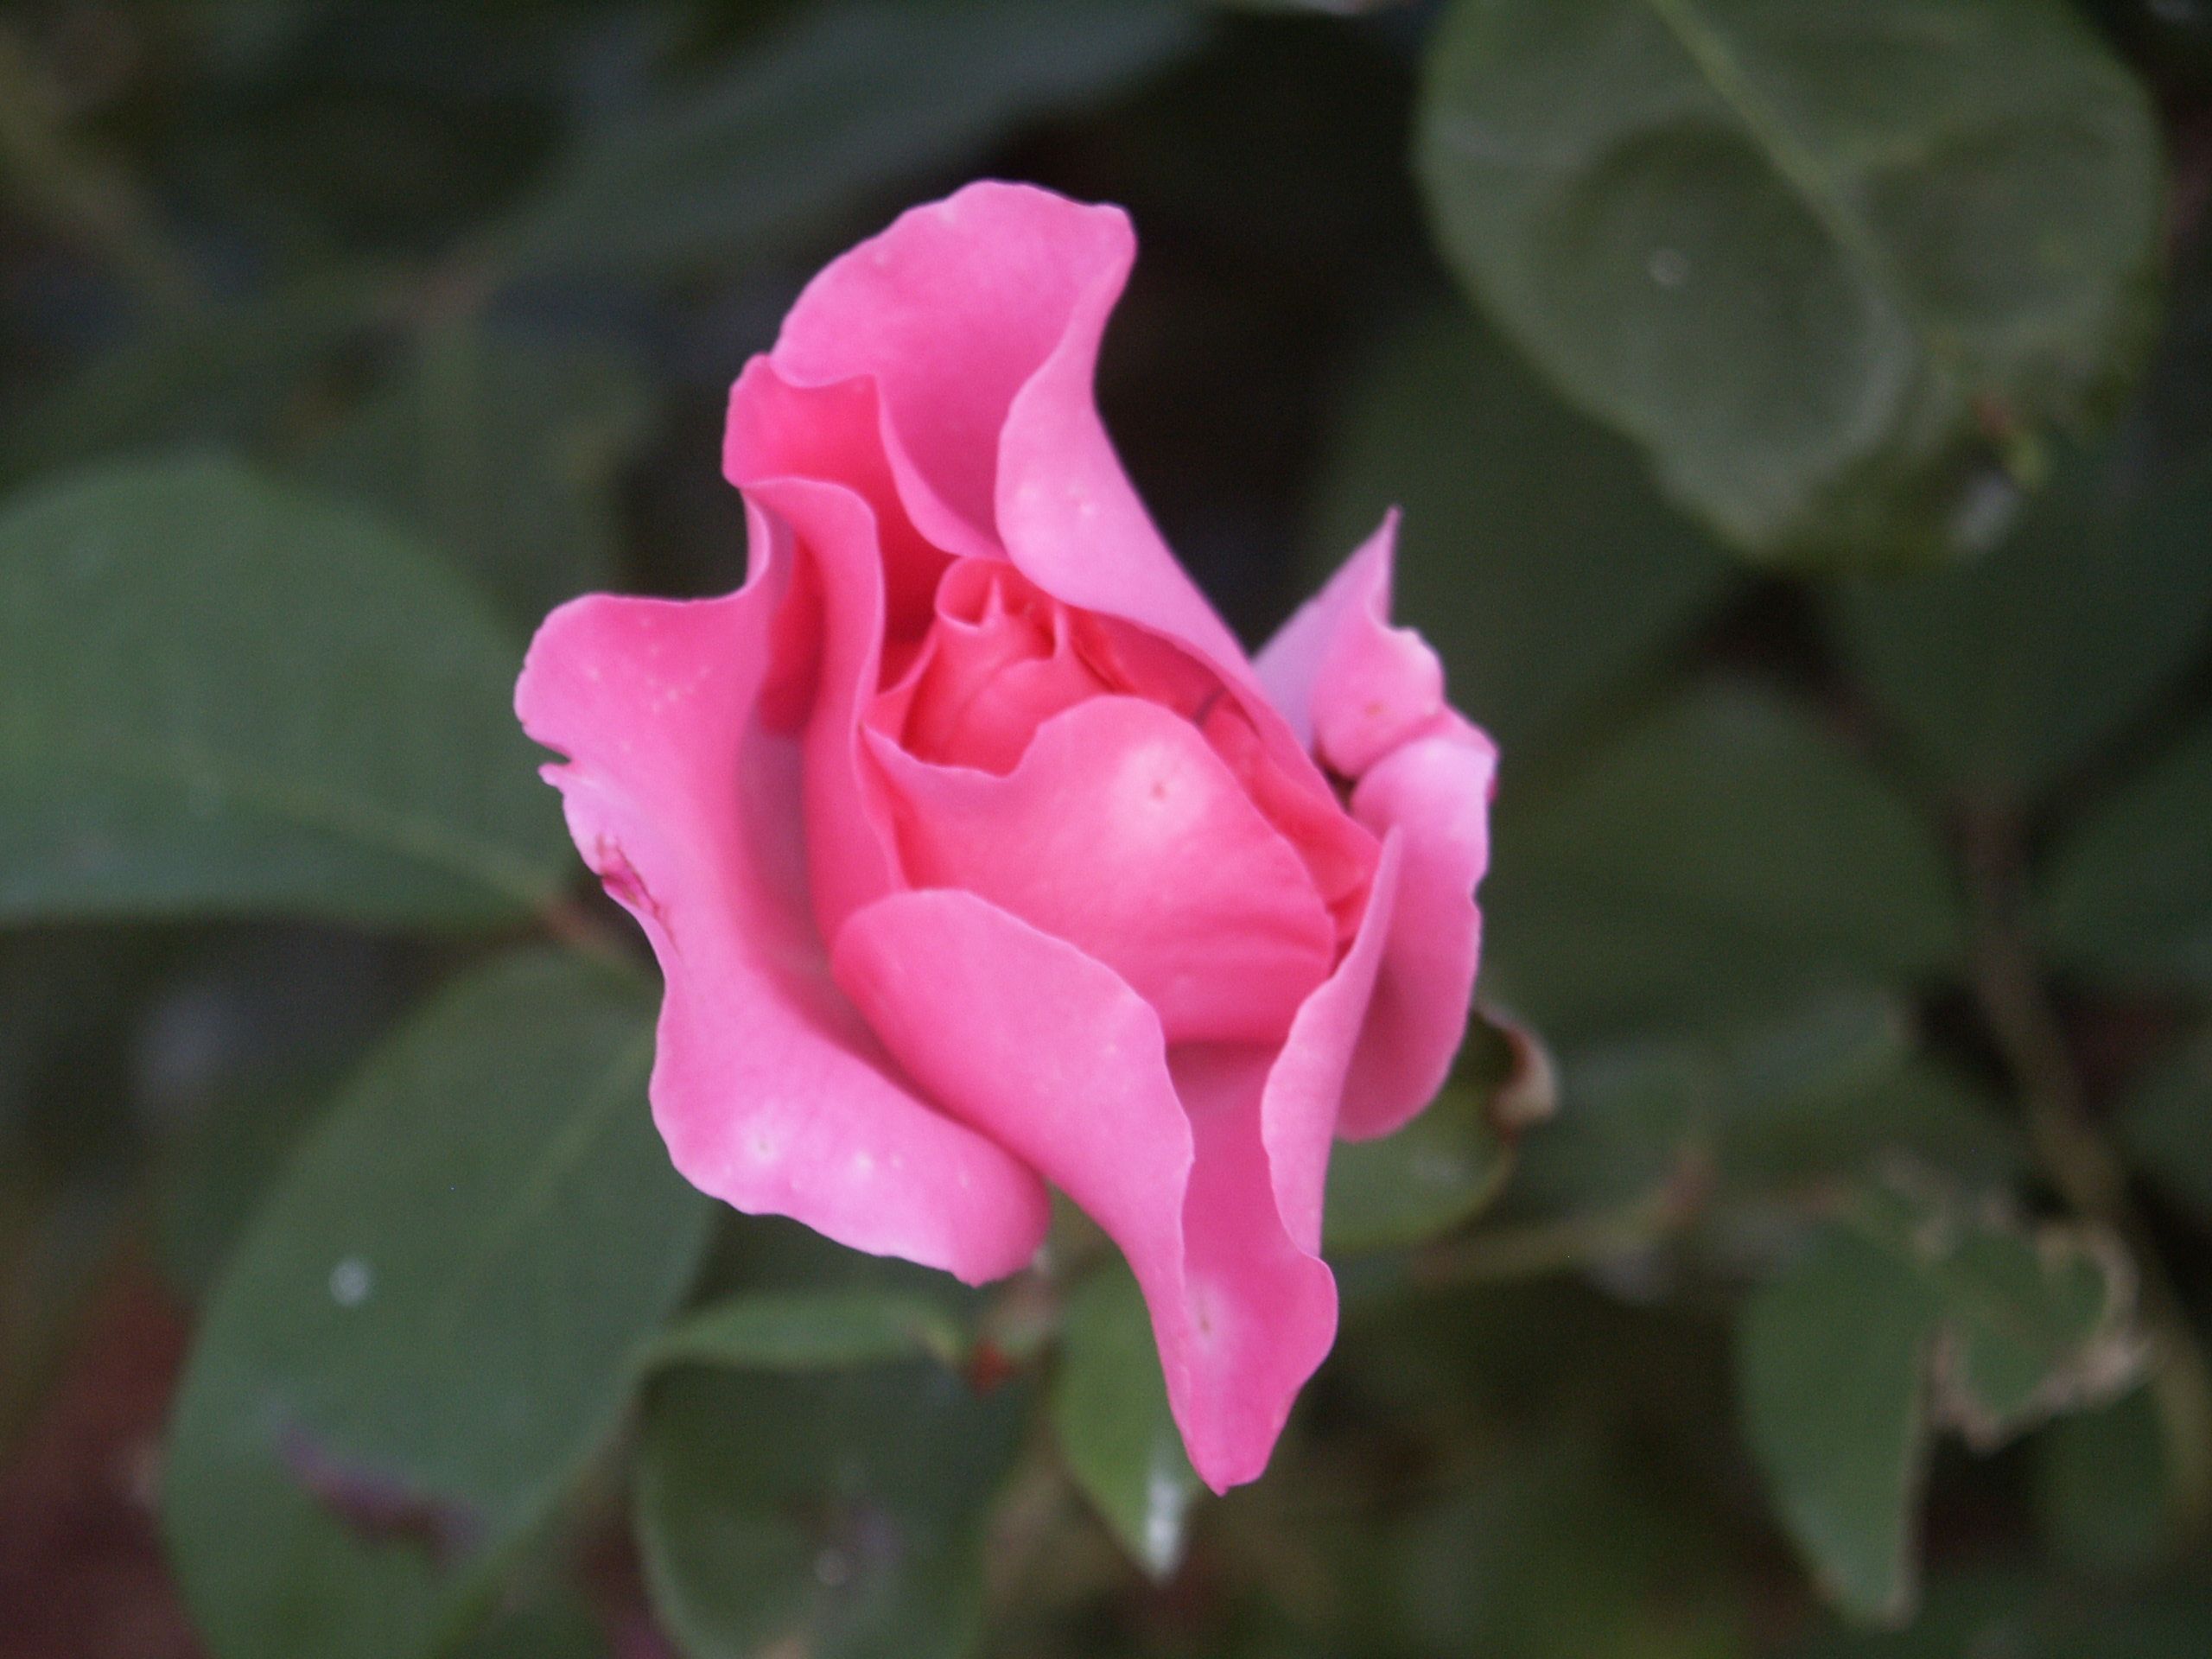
1434,793
1352,685
1121,831
1049,1052
949,312
1306,1087
770,1092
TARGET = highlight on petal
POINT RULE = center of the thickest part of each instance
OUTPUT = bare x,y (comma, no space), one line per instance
1121,831
1052,1054
770,1090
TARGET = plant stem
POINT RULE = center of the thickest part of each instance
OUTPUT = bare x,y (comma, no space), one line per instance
2081,1164
1540,1249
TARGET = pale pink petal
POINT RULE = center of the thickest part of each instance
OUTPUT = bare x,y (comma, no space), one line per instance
1305,1086
1036,1045
1434,793
1122,832
770,1092
950,311
1352,686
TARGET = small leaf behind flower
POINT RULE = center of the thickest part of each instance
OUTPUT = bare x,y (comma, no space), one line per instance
1110,1412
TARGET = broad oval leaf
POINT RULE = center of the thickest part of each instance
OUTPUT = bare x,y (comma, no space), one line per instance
224,696
836,1515
1516,512
2006,673
433,1322
1723,855
1111,1415
800,1331
1821,260
2131,890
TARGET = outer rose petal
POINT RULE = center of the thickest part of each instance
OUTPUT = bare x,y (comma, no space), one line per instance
1434,792
1040,1047
770,1092
1370,697
1091,837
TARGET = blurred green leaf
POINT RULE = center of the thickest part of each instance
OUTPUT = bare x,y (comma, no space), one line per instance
502,452
1819,260
2165,1122
797,1332
2006,673
562,1629
1533,552
1442,1168
2130,891
1557,1550
226,696
838,1515
849,96
2101,1487
1723,853
1909,1313
1828,1089
1109,1413
207,1182
224,376
433,1323
1832,1356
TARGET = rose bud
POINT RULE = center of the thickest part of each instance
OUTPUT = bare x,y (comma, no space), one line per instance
976,854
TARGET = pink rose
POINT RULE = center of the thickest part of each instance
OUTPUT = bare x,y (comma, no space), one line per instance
976,853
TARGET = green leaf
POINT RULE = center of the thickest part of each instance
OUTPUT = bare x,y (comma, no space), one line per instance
1819,260
1722,854
434,1322
502,452
1516,510
839,1515
800,1332
2005,673
223,696
1832,1356
2102,1490
850,96
1445,1166
1909,1313
2165,1122
1110,1412
2131,889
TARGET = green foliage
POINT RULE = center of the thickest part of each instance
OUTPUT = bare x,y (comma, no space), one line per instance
842,1515
1723,850
2131,889
502,452
1869,917
434,1321
227,697
1909,1315
1515,510
1819,261
2006,673
1109,1415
